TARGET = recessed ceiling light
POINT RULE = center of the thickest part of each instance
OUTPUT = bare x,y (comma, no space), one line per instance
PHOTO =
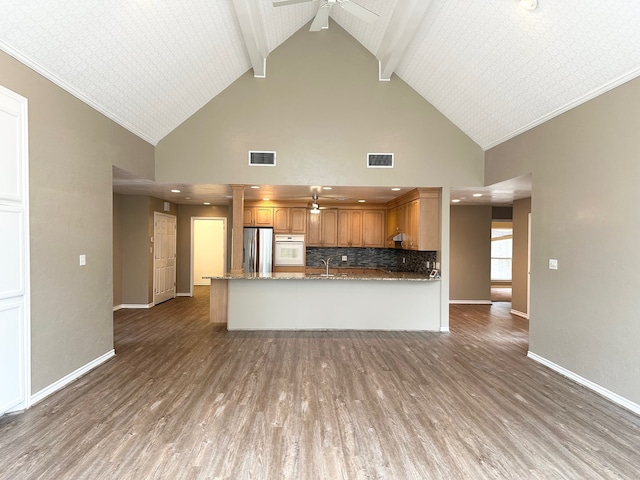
175,191
396,189
477,195
327,188
207,203
455,200
266,199
528,4
255,186
361,201
187,198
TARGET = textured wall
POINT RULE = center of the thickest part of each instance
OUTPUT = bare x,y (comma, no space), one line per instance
470,253
584,316
72,149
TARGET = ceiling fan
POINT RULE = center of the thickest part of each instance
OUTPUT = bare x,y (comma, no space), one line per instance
322,17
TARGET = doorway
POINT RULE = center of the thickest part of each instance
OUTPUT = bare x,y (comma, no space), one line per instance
164,257
208,248
15,330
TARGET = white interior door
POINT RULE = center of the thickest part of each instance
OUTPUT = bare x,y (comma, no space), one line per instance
208,239
164,257
14,253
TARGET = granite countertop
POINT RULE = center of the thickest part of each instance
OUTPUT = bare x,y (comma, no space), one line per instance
373,274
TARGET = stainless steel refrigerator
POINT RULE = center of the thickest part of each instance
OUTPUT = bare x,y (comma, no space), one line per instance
257,252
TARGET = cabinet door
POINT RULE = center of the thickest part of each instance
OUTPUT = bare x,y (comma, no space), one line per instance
413,221
430,224
314,233
248,217
329,229
350,228
281,219
263,216
373,228
392,226
297,220
343,228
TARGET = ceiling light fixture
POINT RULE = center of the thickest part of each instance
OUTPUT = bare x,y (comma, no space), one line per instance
528,4
396,189
327,188
477,195
175,191
455,200
255,186
207,203
315,207
361,201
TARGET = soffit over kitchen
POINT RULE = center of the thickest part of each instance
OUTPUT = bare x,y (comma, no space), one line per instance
494,69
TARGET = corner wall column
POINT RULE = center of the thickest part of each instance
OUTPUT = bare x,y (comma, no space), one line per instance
237,228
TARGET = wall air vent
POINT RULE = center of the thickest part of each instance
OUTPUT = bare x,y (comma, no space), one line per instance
379,160
262,159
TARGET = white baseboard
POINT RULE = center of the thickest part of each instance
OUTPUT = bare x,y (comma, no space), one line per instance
609,395
117,307
133,305
519,314
444,329
469,302
66,380
183,294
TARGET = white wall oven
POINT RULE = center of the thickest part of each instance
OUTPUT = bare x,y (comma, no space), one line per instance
289,251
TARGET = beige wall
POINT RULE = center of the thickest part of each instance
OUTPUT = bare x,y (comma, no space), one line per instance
322,109
470,253
185,213
584,316
71,151
521,210
117,249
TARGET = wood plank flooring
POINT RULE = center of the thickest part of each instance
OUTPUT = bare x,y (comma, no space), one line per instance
184,399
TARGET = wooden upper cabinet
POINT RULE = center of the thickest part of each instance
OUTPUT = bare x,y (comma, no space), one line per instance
418,219
373,228
329,220
322,229
281,219
290,220
350,228
298,220
258,217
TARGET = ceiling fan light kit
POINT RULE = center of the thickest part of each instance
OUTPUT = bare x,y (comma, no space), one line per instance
321,20
528,4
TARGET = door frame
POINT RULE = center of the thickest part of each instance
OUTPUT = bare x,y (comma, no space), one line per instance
224,246
175,255
20,202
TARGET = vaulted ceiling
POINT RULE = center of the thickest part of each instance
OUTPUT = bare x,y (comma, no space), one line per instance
493,68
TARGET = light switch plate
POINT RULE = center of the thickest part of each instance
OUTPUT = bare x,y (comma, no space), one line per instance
553,264
344,258
83,260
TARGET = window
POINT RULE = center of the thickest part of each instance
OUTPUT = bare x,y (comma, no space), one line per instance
501,251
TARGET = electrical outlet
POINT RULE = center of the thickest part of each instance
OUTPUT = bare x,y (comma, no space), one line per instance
553,264
344,258
437,265
404,260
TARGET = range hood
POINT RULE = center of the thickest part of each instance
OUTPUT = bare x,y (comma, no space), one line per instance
398,237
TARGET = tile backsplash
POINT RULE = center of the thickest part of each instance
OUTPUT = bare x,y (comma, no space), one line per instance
392,259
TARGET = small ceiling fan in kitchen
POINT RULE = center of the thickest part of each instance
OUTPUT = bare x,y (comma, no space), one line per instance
322,17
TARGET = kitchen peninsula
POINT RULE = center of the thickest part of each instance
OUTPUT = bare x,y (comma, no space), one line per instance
372,300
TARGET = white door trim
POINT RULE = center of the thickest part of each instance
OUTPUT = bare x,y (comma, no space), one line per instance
19,201
224,223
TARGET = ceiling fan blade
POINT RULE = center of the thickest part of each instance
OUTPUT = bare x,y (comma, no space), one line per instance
280,3
322,18
360,12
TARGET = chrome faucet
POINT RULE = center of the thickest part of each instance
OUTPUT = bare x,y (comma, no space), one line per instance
326,262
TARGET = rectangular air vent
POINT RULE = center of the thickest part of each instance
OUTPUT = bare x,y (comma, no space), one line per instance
263,159
380,160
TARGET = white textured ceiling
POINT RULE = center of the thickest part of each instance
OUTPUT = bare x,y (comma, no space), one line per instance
491,67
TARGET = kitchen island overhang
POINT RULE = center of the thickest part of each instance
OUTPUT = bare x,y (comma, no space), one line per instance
298,301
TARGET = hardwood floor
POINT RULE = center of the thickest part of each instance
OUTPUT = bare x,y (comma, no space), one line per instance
185,400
